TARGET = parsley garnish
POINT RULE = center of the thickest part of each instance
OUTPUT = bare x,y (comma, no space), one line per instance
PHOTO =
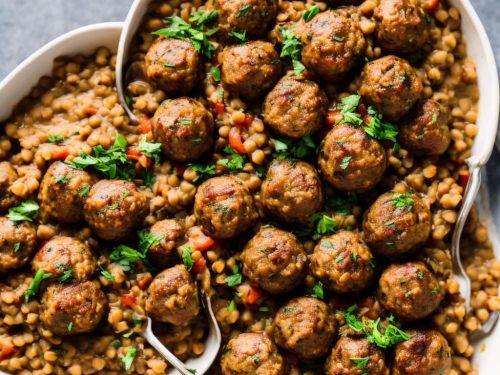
202,170
215,73
235,163
147,239
402,201
345,162
295,149
338,38
17,247
192,371
236,278
35,284
62,179
55,139
256,358
324,224
150,149
240,36
420,275
84,191
202,18
310,12
341,204
186,257
230,306
66,276
380,129
126,257
108,275
348,109
128,359
318,291
244,10
26,211
149,178
291,48
264,309
360,362
70,327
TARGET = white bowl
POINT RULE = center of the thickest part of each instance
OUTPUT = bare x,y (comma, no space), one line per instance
84,40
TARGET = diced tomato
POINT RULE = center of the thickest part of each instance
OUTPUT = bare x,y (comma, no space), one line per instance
200,265
89,111
219,108
235,140
60,154
7,349
144,281
431,5
199,240
133,154
253,295
128,299
145,125
463,178
333,117
245,121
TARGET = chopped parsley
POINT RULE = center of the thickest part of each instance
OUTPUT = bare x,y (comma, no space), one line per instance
66,276
235,163
186,257
389,223
70,327
434,118
360,362
196,141
151,149
17,247
264,309
230,306
128,358
338,38
84,191
341,204
244,10
256,358
420,275
324,224
318,291
56,139
291,49
295,149
202,170
35,284
344,164
148,239
236,278
183,121
149,179
26,211
310,12
240,36
108,275
402,201
126,256
380,129
169,64
215,73
202,18
348,109
354,257
62,179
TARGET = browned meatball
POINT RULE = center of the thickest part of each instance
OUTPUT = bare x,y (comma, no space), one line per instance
391,85
63,256
343,262
173,64
114,208
224,207
295,107
356,356
427,352
275,260
7,177
332,43
62,191
401,26
396,224
306,327
17,244
409,290
184,127
172,233
173,297
292,191
350,160
251,354
74,308
425,131
250,69
252,16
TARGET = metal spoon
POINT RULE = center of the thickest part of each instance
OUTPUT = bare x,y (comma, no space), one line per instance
198,365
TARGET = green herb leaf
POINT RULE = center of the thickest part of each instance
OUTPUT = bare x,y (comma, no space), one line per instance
169,64
420,275
35,284
70,327
402,201
256,358
62,179
240,36
126,257
291,49
236,278
56,139
108,275
264,309
148,239
26,211
128,359
344,164
186,257
296,149
318,291
17,247
230,306
192,371
338,38
310,12
150,149
215,73
202,170
324,224
66,276
380,129
201,18
183,121
341,204
360,362
149,179
84,191
348,109
235,163
244,10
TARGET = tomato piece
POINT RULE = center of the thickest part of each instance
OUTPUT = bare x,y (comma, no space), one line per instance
133,154
219,108
200,265
89,111
7,350
199,240
60,154
253,295
144,281
431,5
128,299
235,140
463,178
333,117
145,125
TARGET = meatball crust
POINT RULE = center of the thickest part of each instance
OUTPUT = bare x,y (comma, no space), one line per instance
172,233
292,191
427,352
343,262
275,260
391,85
224,207
62,192
184,127
8,176
305,326
332,43
409,290
63,254
350,160
251,354
347,348
17,244
173,297
250,69
425,131
295,107
252,16
74,308
173,64
114,208
401,26
396,224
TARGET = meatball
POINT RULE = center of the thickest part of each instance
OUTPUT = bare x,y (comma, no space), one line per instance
306,327
74,308
251,354
173,64
342,361
7,177
350,160
396,224
292,191
224,207
173,297
184,127
62,191
114,208
391,85
65,256
332,44
275,260
343,262
409,290
172,233
401,26
252,16
295,107
427,352
425,131
17,244
250,69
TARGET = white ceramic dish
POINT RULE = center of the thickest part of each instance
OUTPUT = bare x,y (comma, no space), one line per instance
84,40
